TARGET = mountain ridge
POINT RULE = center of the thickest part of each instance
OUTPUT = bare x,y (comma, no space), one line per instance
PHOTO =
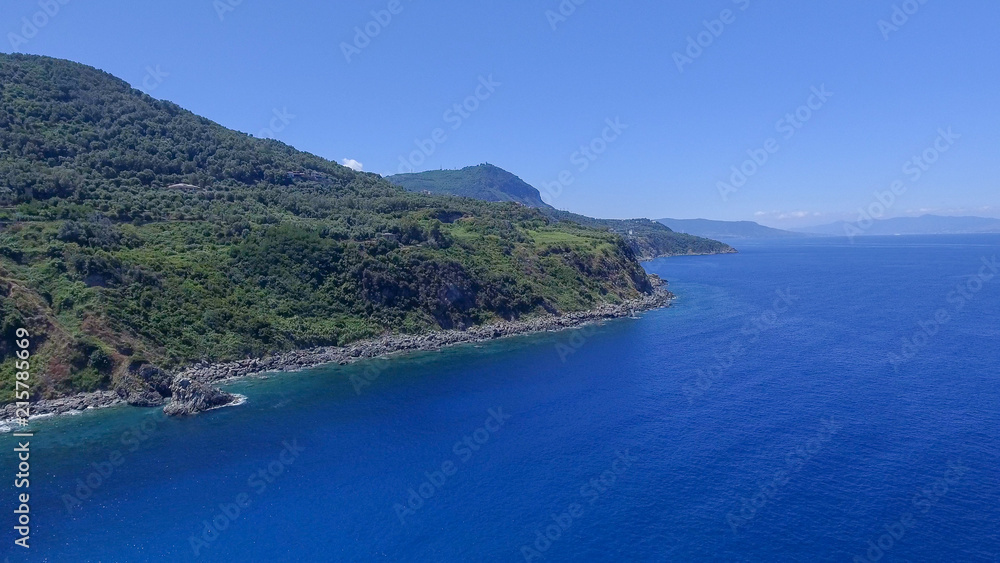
485,182
728,229
922,225
647,238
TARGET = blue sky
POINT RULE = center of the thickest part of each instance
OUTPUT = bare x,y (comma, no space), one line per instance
675,118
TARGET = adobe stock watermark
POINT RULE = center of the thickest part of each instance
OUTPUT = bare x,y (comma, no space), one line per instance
696,44
455,116
279,122
32,25
436,478
749,335
365,34
576,340
922,502
102,471
154,77
582,159
374,368
257,483
787,126
562,13
901,14
957,299
553,529
913,169
223,7
795,459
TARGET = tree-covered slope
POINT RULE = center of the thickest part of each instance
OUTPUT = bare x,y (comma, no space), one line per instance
133,232
484,182
648,239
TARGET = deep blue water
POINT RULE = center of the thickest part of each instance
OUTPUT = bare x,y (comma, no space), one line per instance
738,425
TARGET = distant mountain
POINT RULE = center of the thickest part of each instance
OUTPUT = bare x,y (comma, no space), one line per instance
727,229
924,225
484,182
647,238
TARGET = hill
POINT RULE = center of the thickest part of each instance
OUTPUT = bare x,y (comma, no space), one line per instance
727,229
648,239
135,235
924,225
484,182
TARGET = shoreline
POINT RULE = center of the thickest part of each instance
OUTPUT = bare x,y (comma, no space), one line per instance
643,258
389,345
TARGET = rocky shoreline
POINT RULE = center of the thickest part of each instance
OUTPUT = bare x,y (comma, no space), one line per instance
192,387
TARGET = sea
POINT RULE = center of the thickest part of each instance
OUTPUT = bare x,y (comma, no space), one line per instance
804,400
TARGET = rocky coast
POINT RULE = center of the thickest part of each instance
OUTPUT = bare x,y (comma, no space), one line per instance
192,390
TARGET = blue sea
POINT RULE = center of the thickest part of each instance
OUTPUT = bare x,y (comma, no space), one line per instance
815,400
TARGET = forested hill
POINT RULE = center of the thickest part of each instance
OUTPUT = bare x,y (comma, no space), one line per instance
648,239
135,233
485,182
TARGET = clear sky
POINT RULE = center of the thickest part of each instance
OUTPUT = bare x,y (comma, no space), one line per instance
548,83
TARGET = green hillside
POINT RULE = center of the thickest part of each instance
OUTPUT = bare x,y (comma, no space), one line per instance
647,239
133,232
484,182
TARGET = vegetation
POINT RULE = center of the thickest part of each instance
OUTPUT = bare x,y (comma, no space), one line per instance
133,232
648,239
484,182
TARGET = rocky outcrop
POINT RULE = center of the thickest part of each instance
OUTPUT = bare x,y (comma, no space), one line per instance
142,397
192,397
145,386
156,379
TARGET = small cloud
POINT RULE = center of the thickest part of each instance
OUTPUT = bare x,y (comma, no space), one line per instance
353,164
794,215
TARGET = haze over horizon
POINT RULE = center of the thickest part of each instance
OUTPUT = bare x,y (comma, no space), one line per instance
385,98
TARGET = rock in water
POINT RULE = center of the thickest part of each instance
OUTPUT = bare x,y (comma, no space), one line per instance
192,397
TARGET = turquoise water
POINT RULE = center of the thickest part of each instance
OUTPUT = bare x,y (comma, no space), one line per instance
773,414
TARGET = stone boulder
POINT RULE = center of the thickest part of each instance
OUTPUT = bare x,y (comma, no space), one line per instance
192,397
